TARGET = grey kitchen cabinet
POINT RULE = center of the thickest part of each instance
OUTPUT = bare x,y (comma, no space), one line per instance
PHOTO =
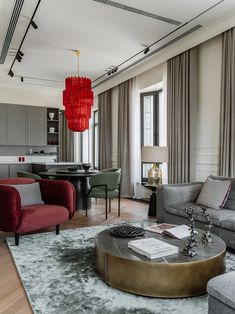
18,167
4,171
3,124
37,130
17,125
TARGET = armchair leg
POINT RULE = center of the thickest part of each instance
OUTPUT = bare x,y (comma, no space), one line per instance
110,205
17,239
57,228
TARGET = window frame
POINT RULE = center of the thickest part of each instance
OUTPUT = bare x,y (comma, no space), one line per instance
156,96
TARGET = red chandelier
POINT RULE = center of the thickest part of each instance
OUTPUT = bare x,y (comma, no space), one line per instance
78,100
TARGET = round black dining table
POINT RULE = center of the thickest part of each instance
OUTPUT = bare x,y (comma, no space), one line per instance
79,179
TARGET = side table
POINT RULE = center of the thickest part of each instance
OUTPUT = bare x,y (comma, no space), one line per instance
152,203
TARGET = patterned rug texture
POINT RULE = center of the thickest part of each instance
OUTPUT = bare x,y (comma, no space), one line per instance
59,278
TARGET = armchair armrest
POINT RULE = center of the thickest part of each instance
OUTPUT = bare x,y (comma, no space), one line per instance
58,192
176,194
10,208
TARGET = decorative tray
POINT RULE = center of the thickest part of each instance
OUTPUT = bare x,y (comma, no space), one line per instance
127,231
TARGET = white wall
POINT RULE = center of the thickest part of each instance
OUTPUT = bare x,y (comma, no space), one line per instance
210,55
33,96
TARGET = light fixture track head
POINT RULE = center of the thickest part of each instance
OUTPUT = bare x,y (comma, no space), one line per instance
146,50
11,73
34,24
22,79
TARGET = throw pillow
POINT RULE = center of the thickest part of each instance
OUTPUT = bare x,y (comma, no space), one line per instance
214,193
30,194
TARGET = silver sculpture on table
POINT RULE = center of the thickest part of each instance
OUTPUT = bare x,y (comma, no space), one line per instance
207,237
190,248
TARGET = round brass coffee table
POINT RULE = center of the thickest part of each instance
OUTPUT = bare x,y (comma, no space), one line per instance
173,276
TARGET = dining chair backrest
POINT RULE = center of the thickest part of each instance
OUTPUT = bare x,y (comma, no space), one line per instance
111,170
111,179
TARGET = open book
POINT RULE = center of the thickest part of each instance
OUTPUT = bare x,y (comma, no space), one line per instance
178,232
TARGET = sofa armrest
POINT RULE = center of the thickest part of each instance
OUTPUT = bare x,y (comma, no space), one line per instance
58,192
176,194
10,208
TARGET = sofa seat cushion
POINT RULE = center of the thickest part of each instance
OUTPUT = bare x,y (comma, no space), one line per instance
222,288
229,223
35,217
216,215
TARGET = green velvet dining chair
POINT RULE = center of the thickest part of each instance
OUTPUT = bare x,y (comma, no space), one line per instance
105,185
25,174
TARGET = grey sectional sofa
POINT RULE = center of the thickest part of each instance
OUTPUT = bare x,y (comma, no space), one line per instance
173,198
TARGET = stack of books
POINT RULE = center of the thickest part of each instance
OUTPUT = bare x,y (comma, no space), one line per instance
152,248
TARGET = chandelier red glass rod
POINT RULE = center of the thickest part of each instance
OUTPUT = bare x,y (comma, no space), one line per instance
78,100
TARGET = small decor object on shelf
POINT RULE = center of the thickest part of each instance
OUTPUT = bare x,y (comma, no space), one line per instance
51,115
190,248
207,237
127,231
52,130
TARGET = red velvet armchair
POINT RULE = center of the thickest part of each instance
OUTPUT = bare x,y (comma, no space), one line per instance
59,206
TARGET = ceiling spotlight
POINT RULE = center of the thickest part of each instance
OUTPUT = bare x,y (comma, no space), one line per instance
34,25
11,73
109,73
146,50
116,69
18,57
22,79
20,53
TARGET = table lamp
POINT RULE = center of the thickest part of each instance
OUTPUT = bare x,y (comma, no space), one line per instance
155,155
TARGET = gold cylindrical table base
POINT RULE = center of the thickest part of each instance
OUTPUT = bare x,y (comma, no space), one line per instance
171,277
159,279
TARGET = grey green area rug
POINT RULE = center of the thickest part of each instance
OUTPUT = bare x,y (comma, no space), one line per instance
59,277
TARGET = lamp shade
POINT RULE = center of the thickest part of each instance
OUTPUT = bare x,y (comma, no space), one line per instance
154,154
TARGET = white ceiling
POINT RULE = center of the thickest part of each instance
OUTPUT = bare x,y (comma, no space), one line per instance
105,35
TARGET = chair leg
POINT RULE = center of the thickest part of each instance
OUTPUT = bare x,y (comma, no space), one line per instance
86,205
106,208
17,239
119,201
110,205
57,228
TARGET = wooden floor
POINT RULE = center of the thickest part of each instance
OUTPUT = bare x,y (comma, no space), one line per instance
13,299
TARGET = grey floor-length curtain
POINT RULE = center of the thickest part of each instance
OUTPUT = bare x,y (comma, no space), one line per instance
105,129
181,116
66,151
227,109
125,97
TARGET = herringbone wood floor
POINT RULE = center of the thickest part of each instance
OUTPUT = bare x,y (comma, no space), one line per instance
13,299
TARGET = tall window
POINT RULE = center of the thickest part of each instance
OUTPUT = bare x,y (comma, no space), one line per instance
150,103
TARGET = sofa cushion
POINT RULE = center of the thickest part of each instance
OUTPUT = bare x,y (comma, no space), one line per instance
37,217
214,193
216,215
222,288
230,203
30,194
